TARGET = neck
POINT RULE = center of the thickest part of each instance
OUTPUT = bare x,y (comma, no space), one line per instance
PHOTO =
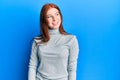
54,31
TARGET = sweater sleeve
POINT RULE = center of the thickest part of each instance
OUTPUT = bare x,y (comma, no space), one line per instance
33,62
72,60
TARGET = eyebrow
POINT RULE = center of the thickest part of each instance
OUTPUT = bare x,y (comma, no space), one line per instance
55,13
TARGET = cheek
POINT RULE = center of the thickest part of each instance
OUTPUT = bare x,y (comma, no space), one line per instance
60,19
48,22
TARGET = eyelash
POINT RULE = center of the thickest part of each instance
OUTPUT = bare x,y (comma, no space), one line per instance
57,14
51,16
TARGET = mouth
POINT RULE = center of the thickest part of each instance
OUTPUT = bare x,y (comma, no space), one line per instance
55,23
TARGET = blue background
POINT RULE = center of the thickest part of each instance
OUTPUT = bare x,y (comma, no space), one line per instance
96,23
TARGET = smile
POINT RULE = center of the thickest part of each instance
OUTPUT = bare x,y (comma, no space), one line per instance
54,24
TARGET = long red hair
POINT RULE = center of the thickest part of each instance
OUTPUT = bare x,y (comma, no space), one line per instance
43,22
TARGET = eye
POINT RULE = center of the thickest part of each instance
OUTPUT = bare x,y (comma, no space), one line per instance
57,14
49,17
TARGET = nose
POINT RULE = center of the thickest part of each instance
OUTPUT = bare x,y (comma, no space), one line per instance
54,18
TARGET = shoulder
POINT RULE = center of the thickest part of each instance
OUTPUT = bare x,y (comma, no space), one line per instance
36,40
71,37
73,42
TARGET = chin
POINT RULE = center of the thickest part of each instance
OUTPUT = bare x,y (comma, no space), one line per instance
55,27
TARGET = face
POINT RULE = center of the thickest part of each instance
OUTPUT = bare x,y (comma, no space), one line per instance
53,18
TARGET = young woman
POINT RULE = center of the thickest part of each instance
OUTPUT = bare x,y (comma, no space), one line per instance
54,53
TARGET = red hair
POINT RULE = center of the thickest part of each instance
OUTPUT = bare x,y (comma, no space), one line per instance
43,22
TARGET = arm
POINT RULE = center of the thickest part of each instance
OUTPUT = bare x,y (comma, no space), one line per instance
33,62
72,61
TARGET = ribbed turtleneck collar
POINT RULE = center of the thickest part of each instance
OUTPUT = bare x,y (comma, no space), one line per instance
54,31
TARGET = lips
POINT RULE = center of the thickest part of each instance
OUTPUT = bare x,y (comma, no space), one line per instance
55,23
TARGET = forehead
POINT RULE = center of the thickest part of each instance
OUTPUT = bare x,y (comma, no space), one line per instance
52,11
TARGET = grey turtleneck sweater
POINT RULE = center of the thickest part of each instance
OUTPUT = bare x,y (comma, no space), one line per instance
54,60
